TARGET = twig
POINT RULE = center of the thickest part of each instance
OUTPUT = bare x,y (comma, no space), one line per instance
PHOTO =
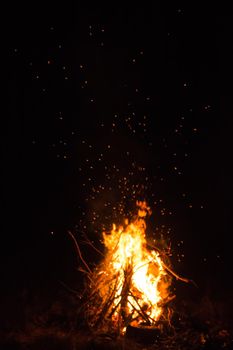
105,308
166,301
183,279
114,309
147,316
140,312
88,241
79,251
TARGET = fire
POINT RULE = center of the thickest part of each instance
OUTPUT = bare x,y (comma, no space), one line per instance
131,284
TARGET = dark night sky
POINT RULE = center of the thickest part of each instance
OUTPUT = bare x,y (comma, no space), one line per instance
107,102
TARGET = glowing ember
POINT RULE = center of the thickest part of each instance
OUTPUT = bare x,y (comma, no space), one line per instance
131,283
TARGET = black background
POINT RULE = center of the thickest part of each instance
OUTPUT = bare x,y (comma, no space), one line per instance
179,58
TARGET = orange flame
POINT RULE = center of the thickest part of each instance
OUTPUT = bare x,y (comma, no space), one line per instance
132,282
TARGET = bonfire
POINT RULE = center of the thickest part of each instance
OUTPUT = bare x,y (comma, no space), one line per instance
131,285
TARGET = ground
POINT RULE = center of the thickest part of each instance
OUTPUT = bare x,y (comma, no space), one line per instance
206,326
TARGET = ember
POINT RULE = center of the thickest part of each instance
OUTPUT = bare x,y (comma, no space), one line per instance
131,284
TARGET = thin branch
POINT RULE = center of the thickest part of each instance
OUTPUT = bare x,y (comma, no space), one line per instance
135,298
79,251
114,309
183,279
88,242
140,312
166,301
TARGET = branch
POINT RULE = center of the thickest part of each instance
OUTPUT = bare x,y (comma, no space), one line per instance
79,251
88,242
183,279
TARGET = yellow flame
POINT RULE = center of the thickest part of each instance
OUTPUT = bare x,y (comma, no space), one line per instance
137,275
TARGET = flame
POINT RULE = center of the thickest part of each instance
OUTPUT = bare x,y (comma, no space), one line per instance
132,282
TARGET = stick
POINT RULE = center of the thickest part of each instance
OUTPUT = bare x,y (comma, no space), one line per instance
140,312
183,279
79,251
87,241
